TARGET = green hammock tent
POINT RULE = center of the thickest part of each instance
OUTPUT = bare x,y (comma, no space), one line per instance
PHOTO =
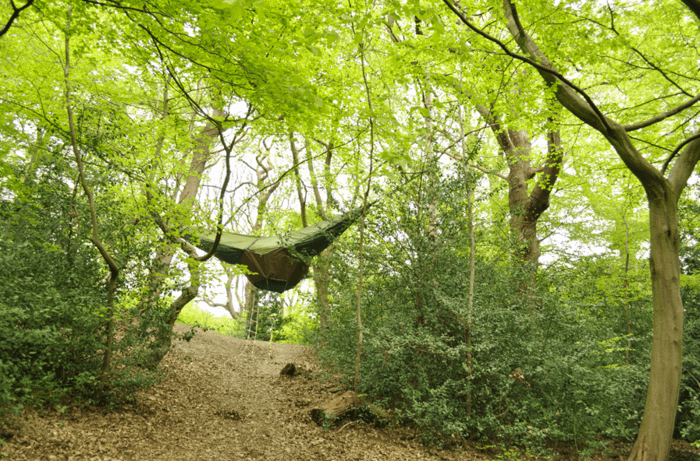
275,260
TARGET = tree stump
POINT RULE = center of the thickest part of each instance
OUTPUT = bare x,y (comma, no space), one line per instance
337,407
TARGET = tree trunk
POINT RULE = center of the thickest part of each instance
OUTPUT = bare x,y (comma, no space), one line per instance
322,279
656,431
525,208
229,294
251,301
187,198
625,291
163,341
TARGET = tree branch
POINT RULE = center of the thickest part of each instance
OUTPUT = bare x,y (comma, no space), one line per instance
539,197
119,6
665,115
694,6
685,164
477,167
587,112
95,238
15,14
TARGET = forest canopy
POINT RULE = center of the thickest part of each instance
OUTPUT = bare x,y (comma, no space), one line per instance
528,269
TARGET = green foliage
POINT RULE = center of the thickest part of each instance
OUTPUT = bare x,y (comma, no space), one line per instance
52,314
688,417
195,316
545,364
294,327
271,318
299,326
533,361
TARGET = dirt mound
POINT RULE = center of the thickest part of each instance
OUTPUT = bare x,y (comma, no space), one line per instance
223,399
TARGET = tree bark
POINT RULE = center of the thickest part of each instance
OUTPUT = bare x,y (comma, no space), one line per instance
525,208
656,431
187,200
265,191
301,193
322,278
321,269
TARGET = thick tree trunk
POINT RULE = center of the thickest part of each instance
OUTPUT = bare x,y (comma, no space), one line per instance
525,208
163,334
163,341
523,226
656,431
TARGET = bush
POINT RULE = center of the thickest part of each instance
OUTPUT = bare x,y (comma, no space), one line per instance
52,306
688,417
529,365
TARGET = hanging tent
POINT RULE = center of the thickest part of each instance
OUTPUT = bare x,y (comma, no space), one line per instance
275,261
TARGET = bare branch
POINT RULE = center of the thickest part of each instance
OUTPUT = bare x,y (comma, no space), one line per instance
659,70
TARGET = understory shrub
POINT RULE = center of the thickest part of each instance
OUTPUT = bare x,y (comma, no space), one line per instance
688,417
52,307
531,362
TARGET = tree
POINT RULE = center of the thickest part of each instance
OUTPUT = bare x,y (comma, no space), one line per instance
496,101
14,15
663,188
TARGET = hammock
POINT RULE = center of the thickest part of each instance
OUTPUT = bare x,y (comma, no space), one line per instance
275,261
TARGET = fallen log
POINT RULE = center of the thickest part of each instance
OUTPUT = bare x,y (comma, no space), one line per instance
341,405
337,407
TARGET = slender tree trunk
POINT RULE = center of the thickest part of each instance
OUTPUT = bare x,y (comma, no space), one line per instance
229,294
470,306
322,279
95,237
625,290
321,268
356,381
251,301
301,193
265,191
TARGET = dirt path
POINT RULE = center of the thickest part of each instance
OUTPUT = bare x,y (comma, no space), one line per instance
219,402
222,401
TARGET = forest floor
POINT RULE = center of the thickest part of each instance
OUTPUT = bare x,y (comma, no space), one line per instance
224,399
